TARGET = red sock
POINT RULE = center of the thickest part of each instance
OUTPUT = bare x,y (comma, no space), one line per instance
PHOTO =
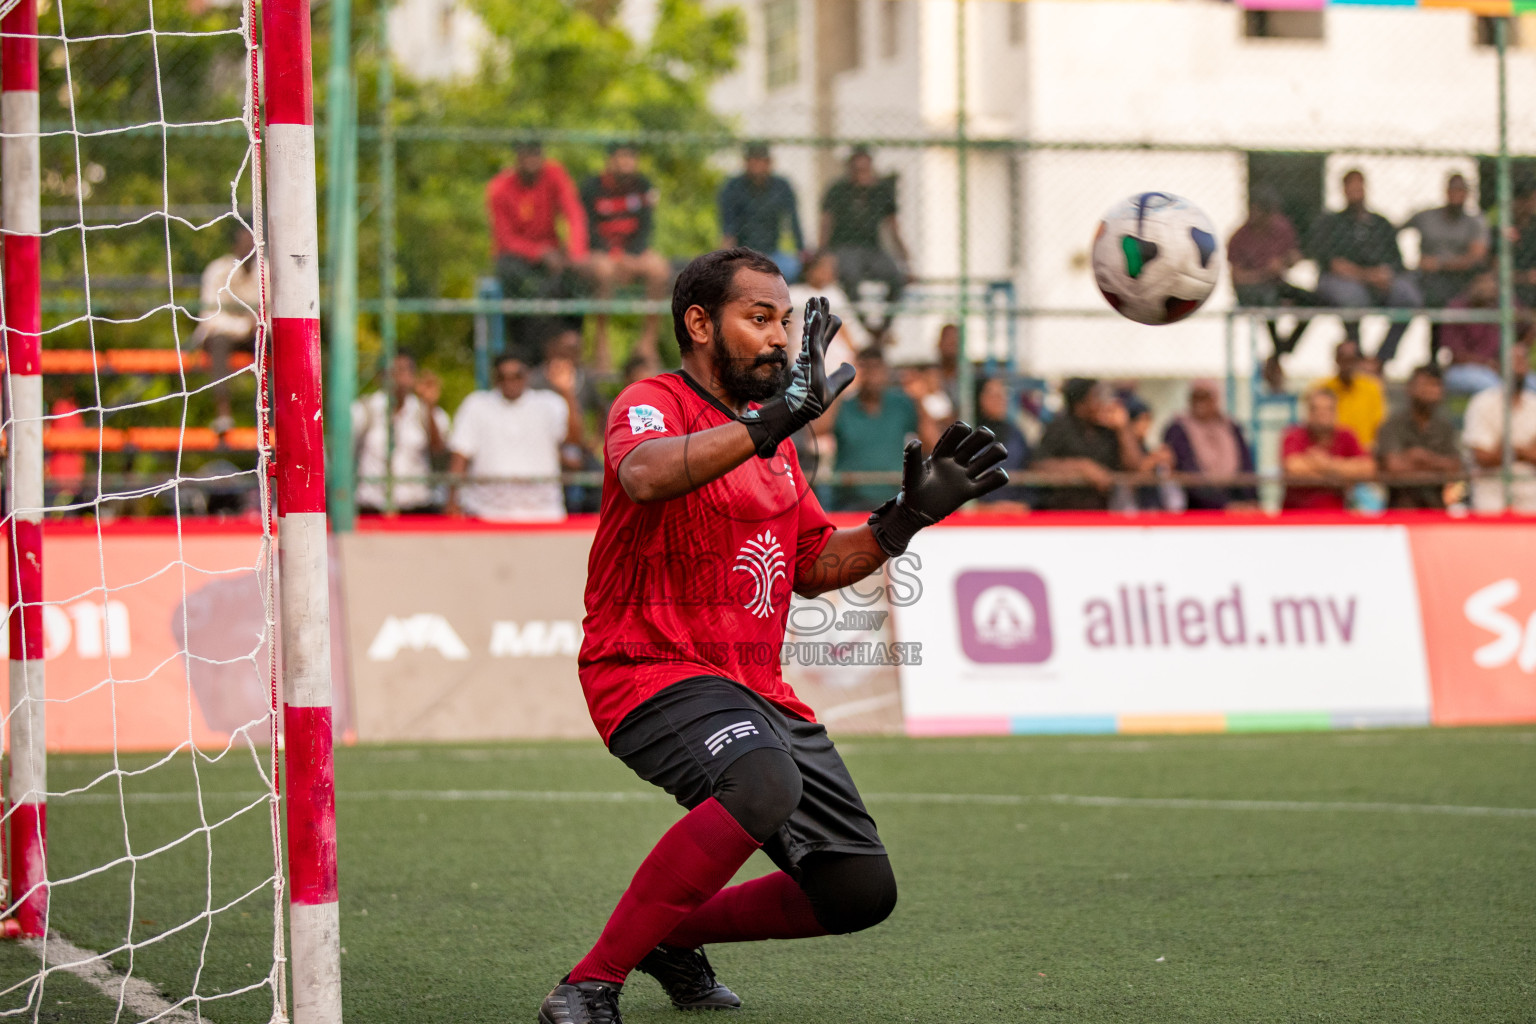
771,907
692,861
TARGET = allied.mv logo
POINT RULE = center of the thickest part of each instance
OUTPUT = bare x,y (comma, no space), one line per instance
762,559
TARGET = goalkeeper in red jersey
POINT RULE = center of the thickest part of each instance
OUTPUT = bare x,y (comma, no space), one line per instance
707,528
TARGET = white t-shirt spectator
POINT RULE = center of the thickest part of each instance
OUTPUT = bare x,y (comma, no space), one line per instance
849,339
413,450
512,438
1483,428
228,288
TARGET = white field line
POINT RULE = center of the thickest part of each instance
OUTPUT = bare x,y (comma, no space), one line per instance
136,994
982,799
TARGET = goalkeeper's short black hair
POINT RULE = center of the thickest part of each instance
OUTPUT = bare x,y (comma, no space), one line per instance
709,282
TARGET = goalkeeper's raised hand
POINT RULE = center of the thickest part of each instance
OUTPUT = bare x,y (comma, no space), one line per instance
810,391
963,465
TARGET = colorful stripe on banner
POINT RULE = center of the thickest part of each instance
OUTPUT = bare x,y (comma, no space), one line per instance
1138,725
1486,8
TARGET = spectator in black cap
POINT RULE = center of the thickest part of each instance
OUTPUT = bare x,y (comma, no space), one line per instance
620,204
1086,442
854,212
757,207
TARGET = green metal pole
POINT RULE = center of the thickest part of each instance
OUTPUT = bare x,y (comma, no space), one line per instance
964,375
1506,260
341,218
388,321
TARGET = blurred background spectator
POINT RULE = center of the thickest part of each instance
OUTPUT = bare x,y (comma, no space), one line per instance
1262,251
820,278
1473,349
1088,441
620,204
1204,439
1524,237
1360,264
1361,400
1453,247
993,412
856,210
1320,457
230,300
528,203
1419,439
757,209
869,423
513,431
415,440
1483,432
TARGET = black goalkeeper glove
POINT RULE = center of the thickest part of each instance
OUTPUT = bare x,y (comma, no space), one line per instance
810,390
964,465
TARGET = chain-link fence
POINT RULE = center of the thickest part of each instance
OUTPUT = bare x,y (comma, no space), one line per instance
995,135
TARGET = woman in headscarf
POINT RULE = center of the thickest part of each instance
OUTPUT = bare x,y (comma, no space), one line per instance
993,413
1206,440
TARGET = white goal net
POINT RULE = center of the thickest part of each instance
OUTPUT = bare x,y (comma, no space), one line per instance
144,863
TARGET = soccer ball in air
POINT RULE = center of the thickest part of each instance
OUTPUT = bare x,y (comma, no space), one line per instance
1156,257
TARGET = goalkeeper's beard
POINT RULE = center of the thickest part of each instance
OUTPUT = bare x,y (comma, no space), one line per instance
751,380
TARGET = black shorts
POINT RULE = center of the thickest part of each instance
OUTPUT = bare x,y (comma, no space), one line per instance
684,737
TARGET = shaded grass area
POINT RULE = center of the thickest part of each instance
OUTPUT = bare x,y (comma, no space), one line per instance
469,885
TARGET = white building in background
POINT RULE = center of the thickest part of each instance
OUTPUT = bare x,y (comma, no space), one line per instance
436,40
1116,75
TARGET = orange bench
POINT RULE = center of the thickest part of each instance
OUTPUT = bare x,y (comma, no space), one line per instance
147,439
143,361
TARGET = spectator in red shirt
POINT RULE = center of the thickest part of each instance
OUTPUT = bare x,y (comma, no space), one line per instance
1261,252
1326,456
526,202
620,204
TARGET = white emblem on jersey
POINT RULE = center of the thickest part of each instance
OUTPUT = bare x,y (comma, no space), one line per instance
645,417
762,559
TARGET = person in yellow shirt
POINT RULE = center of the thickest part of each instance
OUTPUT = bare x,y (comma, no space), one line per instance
1362,401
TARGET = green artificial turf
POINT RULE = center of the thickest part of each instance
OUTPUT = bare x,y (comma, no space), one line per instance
469,885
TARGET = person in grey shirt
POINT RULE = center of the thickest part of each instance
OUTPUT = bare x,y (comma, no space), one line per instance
1419,439
1453,246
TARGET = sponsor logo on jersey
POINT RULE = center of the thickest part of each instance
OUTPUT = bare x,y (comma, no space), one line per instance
720,740
762,559
646,417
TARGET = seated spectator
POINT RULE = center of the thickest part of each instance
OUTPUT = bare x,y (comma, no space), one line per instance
1362,402
526,202
853,212
512,431
992,412
1087,442
620,204
1322,457
417,432
1261,253
757,208
230,302
638,367
949,362
565,348
1524,237
820,278
1474,348
1158,497
1453,248
1419,439
1360,264
1482,432
870,423
1205,440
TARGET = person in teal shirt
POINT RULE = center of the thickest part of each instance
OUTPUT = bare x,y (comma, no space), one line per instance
870,428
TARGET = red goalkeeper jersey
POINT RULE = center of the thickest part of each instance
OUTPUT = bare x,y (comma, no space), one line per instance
701,584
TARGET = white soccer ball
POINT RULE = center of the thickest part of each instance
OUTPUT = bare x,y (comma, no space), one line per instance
1156,257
